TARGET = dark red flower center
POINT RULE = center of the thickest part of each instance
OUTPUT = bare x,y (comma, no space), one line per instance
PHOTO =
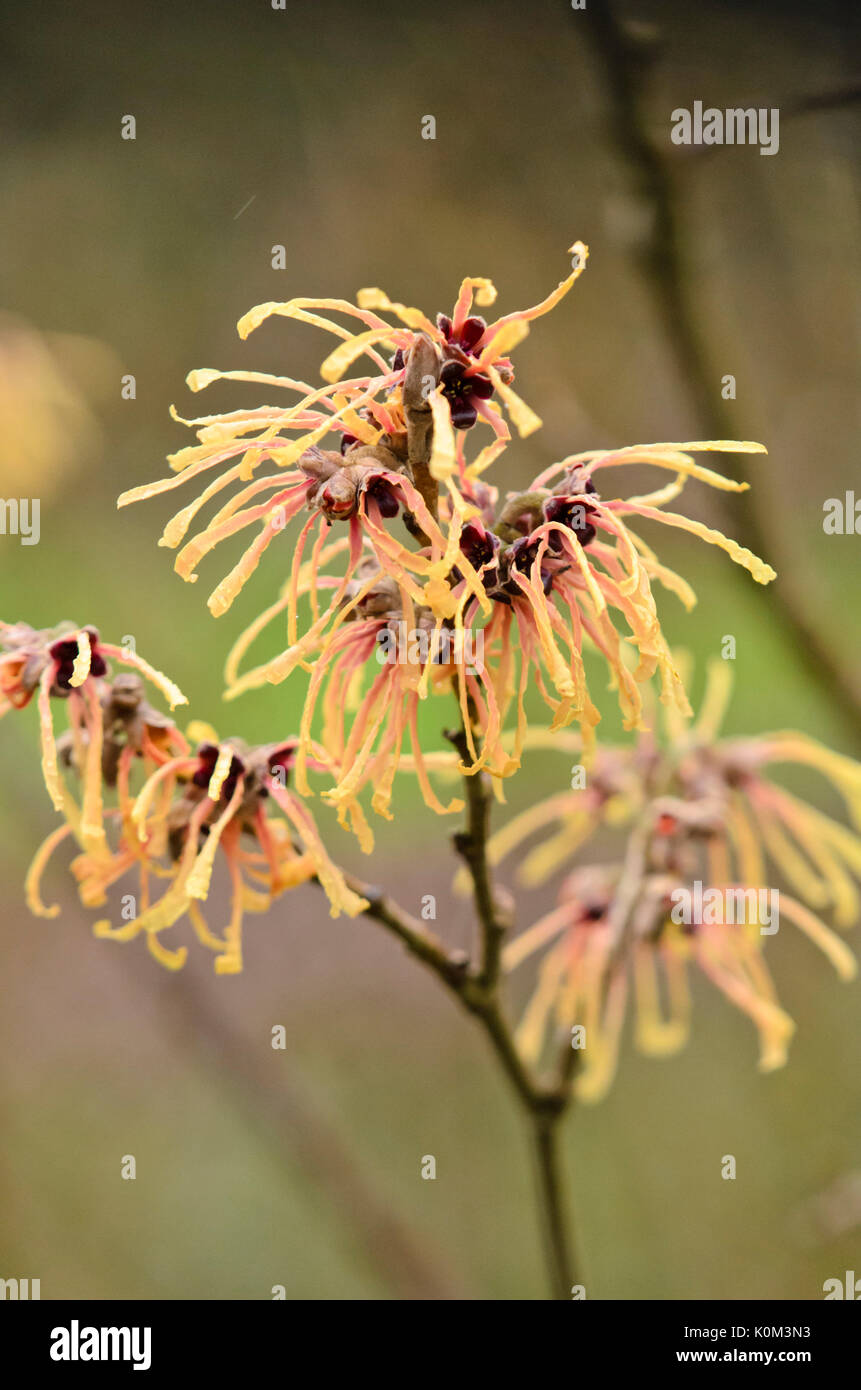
207,756
65,652
574,514
478,545
461,389
469,334
381,491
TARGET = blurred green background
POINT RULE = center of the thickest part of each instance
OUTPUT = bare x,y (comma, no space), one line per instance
303,127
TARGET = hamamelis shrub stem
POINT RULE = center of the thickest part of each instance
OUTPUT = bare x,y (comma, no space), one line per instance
545,1105
478,988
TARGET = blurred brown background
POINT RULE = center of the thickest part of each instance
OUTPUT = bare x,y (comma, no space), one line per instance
258,1167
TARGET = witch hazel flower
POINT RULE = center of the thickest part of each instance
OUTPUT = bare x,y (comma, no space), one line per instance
192,809
69,664
572,571
386,408
706,832
363,730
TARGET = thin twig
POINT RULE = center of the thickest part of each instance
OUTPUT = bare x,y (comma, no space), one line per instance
471,845
450,966
662,264
421,375
557,1223
453,968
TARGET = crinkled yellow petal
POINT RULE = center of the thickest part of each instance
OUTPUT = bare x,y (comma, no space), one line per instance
670,580
341,897
93,837
523,416
197,883
822,936
484,291
845,773
220,771
664,494
201,928
601,1053
761,572
674,458
297,309
144,799
171,960
443,455
106,932
413,318
171,692
696,446
33,880
81,667
535,937
715,701
198,731
788,859
340,358
533,1025
202,377
503,342
773,1024
655,1035
580,255
50,768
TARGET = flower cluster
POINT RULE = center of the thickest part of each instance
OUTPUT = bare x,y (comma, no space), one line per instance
404,528
380,483
695,810
191,805
69,664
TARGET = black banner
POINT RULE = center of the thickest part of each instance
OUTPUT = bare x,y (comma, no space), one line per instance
63,1338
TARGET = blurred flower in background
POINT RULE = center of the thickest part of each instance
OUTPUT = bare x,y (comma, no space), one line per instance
705,833
51,387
